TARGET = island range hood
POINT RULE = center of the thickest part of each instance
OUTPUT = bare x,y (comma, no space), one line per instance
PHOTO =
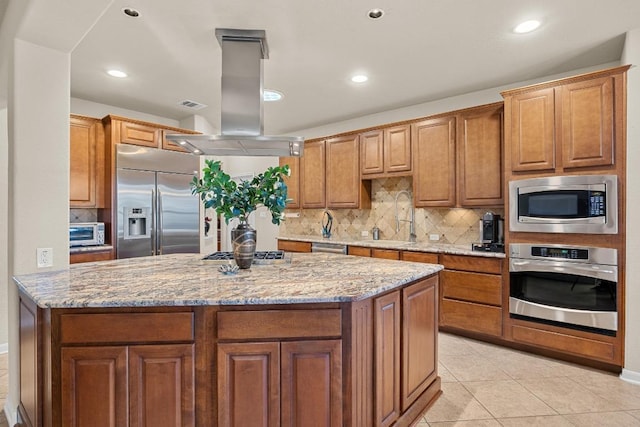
241,105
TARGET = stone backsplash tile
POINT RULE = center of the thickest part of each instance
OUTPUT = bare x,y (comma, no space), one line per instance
83,215
454,225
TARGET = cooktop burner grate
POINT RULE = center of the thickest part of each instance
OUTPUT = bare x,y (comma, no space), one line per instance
260,257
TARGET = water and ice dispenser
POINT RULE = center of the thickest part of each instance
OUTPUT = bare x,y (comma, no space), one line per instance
137,223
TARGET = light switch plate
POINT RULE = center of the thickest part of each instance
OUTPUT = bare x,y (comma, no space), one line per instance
44,257
434,237
364,233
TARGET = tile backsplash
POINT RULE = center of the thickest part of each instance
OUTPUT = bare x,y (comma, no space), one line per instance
453,225
83,215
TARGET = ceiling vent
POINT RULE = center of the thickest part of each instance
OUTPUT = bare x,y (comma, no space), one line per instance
193,105
241,92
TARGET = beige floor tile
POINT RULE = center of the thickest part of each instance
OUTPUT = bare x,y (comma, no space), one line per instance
505,399
453,345
471,423
604,419
546,421
455,404
635,414
520,366
611,388
445,375
568,397
473,368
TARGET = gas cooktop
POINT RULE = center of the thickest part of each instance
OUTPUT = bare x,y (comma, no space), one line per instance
260,257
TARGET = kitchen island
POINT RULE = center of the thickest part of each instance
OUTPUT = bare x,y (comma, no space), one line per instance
321,340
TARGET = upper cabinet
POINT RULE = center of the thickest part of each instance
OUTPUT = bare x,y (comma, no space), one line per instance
312,175
434,170
479,154
386,152
121,130
139,134
566,124
87,162
292,181
344,187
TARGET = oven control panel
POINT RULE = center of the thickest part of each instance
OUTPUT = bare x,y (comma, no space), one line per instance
559,252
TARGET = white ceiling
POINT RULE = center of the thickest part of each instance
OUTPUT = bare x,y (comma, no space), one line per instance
421,50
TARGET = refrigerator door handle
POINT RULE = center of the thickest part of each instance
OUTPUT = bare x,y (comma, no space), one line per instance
153,223
160,229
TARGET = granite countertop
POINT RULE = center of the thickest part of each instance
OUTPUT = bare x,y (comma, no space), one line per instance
186,279
439,248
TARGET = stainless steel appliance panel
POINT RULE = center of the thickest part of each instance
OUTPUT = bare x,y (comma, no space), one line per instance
136,190
178,215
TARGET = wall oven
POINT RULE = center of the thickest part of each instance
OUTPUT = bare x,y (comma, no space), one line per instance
564,204
572,286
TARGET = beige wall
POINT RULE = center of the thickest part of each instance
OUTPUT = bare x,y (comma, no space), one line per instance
4,268
631,55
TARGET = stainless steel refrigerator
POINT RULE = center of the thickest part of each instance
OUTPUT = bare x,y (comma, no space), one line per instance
157,214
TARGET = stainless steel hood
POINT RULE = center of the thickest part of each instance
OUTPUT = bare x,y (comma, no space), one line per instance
241,112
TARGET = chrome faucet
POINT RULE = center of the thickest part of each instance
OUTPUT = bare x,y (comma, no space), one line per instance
412,218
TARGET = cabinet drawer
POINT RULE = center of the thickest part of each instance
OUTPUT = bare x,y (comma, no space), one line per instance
471,317
126,327
359,251
472,263
239,325
576,345
139,134
291,246
385,253
425,257
473,287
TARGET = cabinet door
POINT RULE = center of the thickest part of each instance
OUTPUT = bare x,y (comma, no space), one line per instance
371,152
588,123
87,163
419,333
161,385
532,131
94,386
343,172
171,145
249,384
311,383
292,181
434,172
312,175
480,172
387,359
139,134
397,149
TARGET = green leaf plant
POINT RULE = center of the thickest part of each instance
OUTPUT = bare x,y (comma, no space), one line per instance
230,199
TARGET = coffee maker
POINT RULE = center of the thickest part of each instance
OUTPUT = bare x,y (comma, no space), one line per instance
491,234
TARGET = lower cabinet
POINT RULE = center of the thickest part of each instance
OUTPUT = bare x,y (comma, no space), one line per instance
406,327
294,246
147,385
294,383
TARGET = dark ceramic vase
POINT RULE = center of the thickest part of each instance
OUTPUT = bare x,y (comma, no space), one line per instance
243,239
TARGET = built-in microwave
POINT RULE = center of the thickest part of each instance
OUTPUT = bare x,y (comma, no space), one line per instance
564,204
86,234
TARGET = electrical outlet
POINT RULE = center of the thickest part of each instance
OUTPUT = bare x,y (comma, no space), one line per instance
292,214
364,233
434,237
44,257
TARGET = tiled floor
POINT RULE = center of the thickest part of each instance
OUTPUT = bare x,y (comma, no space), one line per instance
489,386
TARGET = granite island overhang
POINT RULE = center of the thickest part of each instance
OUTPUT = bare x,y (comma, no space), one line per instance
169,340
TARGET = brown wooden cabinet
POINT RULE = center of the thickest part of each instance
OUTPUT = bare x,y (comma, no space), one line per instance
87,163
139,134
91,256
312,175
171,145
386,152
405,364
471,294
344,187
293,246
479,152
566,124
434,171
292,181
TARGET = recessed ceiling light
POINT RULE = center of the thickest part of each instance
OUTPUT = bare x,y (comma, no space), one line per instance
117,73
130,12
270,95
359,78
375,13
526,26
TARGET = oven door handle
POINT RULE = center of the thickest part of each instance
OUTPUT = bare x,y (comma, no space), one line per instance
597,271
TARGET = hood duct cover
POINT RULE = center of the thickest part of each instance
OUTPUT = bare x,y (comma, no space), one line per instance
241,106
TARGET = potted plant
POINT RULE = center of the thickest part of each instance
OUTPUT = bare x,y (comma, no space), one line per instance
237,200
